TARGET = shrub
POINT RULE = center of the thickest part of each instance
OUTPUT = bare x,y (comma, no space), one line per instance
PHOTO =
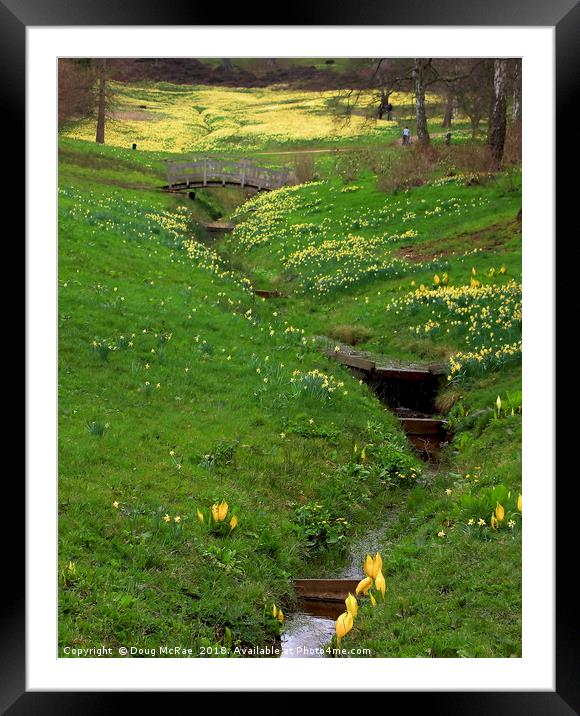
351,334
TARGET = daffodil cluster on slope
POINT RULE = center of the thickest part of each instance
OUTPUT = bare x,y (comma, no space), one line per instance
486,318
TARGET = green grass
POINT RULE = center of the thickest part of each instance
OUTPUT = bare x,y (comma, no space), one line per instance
139,306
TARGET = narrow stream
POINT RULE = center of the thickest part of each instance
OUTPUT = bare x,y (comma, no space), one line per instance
312,626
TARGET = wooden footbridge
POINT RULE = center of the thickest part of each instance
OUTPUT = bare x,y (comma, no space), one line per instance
207,171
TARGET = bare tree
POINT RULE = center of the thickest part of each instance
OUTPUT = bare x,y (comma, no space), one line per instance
473,90
102,98
517,90
75,89
498,120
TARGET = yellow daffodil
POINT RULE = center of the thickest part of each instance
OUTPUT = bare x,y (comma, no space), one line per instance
343,626
369,566
274,611
364,585
520,503
200,516
380,583
351,605
373,601
222,511
493,522
281,616
499,513
233,523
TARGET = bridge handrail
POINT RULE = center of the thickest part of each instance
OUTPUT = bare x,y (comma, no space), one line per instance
208,169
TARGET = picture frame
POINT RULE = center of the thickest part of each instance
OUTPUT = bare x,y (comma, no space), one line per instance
16,16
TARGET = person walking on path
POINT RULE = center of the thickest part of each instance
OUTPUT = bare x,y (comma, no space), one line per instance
389,109
406,136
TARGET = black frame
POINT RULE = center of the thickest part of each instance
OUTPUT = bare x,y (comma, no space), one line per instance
564,15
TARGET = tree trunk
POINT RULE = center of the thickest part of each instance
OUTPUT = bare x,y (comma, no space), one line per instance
517,114
497,123
418,74
448,116
102,101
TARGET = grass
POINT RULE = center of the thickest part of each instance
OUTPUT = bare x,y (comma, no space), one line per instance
179,389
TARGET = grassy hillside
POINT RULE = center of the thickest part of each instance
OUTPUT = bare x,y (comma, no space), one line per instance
179,389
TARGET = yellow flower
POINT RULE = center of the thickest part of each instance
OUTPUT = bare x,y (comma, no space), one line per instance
380,583
274,611
200,516
351,605
364,585
373,566
343,626
280,616
233,523
520,503
116,505
499,513
220,511
166,518
493,522
177,519
373,601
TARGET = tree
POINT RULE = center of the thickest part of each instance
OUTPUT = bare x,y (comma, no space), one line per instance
474,89
102,98
517,90
420,74
75,89
498,120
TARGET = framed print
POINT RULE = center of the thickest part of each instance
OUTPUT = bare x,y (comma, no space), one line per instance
290,354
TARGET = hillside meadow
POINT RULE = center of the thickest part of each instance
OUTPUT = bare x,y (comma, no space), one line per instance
209,452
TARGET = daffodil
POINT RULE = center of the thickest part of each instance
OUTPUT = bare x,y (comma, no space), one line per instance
380,583
364,585
351,605
520,503
280,616
373,601
343,626
200,516
233,523
274,611
499,513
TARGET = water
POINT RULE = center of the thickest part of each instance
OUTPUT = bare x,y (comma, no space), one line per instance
309,629
312,626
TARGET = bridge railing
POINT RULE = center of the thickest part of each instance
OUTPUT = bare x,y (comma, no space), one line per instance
206,171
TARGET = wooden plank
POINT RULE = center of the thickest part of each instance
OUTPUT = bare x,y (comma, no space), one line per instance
422,426
352,361
263,293
331,590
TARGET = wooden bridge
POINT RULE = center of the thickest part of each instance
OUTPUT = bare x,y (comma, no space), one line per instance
206,171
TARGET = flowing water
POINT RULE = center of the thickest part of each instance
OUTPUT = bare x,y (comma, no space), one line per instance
312,625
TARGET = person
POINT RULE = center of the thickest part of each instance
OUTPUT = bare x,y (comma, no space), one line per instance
406,136
448,137
382,108
389,111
